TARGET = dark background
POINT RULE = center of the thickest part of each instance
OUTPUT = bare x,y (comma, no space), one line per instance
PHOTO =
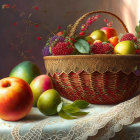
27,21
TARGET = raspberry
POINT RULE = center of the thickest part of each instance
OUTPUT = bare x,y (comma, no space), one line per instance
128,36
99,48
108,48
62,48
96,48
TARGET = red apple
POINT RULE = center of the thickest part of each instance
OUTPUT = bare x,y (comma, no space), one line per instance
39,85
16,98
109,31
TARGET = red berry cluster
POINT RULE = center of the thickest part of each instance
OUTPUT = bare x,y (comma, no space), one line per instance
89,21
62,48
99,48
128,36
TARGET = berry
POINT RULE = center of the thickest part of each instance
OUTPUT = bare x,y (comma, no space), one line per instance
59,38
89,22
82,33
39,38
62,48
45,51
55,39
137,51
128,36
83,29
72,40
99,48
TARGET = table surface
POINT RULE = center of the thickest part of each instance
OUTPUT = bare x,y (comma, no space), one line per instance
36,125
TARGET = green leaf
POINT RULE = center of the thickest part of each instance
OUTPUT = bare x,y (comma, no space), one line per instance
69,108
80,104
59,107
79,113
137,30
65,115
138,44
105,42
82,46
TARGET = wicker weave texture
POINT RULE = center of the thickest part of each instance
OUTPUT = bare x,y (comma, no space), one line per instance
91,63
96,88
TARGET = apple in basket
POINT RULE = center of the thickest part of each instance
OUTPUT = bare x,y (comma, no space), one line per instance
98,35
114,40
40,84
109,31
125,47
16,98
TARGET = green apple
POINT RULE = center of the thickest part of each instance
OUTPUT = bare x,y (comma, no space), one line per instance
98,35
26,71
125,47
48,102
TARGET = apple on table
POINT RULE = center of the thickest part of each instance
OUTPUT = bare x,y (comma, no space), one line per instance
16,99
40,84
48,102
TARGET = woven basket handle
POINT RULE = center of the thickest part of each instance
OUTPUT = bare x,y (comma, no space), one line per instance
74,27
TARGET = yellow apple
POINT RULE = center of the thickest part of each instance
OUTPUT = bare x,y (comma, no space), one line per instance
125,47
98,35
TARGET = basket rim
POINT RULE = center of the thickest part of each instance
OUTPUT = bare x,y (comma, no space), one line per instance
129,56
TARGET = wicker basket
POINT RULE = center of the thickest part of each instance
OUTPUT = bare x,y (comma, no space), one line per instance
98,79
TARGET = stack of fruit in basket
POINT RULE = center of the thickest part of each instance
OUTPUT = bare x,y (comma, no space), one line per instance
101,41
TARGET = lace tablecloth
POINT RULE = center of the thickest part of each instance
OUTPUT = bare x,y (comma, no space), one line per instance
101,123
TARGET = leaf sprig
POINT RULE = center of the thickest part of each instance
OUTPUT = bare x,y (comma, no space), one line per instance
137,31
72,110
